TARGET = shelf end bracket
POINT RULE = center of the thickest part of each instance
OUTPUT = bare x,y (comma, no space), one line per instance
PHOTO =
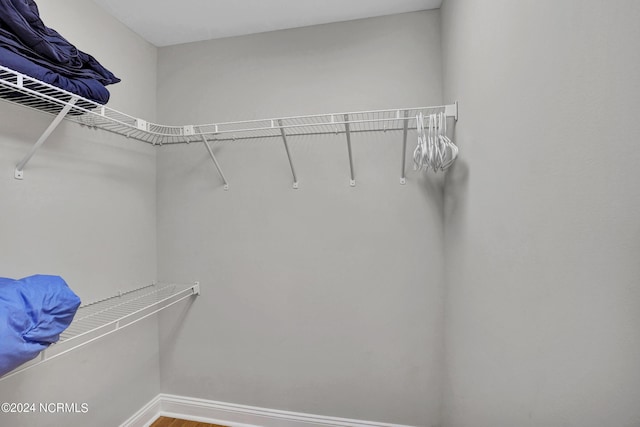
451,110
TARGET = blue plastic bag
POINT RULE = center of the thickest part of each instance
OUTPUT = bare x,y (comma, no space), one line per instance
34,311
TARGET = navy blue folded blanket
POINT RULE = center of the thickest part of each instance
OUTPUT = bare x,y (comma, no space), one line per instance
22,33
34,311
85,87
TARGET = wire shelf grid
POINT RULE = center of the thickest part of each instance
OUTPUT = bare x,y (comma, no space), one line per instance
123,307
99,319
21,89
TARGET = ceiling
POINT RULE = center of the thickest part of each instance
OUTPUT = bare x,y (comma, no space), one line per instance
166,22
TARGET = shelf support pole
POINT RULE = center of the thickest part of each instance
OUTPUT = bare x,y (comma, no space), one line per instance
286,147
18,174
215,161
348,133
403,179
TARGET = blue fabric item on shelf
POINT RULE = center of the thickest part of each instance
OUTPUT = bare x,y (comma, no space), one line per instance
21,21
34,311
85,87
31,48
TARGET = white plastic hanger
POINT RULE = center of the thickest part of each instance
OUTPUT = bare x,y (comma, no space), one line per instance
420,150
434,150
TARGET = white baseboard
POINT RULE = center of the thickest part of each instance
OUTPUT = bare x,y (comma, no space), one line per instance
146,415
233,415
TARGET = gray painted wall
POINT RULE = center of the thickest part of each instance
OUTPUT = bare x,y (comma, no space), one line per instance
542,229
85,211
326,299
329,299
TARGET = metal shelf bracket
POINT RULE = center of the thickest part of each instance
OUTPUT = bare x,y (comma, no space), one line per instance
347,128
215,161
19,173
403,178
286,147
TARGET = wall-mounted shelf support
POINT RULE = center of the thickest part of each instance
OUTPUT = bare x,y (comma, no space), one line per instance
405,128
286,147
348,133
19,174
99,319
215,161
451,110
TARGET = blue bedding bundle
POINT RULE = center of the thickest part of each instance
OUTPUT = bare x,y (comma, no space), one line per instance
31,48
34,311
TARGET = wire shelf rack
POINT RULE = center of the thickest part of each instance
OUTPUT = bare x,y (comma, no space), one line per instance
21,89
320,124
99,319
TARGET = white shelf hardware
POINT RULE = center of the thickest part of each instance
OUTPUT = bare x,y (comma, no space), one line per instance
451,110
99,319
215,161
189,130
142,124
347,130
19,88
286,147
19,174
405,129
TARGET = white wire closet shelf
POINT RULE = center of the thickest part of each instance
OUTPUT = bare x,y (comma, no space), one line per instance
99,319
21,89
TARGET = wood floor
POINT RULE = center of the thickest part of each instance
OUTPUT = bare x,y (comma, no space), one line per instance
174,422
